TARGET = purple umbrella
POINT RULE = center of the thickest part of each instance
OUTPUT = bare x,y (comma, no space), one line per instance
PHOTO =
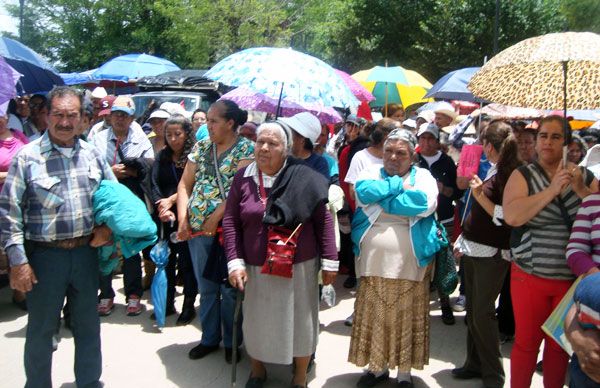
356,88
249,99
8,80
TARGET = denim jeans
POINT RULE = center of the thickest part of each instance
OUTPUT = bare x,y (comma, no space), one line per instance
132,279
60,272
217,302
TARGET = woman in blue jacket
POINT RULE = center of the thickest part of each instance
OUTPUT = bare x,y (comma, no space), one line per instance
392,234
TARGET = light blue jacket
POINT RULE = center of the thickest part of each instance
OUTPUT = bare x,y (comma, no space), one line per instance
128,218
378,192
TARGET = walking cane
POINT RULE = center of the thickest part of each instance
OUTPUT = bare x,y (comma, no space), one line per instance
236,317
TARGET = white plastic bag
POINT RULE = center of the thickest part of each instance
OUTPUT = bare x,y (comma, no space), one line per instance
328,295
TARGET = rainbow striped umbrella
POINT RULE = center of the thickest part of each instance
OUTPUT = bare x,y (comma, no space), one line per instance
394,85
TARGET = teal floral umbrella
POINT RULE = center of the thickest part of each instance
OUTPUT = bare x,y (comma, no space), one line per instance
284,74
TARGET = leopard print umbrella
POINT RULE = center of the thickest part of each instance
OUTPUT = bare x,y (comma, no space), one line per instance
531,73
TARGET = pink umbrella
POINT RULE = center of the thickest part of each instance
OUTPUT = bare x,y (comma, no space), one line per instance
511,112
249,99
356,88
8,80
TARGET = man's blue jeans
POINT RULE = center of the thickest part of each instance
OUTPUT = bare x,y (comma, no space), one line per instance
62,272
217,302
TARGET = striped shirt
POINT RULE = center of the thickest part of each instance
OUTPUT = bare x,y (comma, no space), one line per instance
47,195
543,244
583,250
135,146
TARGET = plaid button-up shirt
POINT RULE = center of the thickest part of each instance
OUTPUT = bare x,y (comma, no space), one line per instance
47,195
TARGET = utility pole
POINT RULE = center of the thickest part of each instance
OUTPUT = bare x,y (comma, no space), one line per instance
496,26
21,6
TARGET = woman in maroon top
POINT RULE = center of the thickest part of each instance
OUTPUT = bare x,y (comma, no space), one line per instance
280,314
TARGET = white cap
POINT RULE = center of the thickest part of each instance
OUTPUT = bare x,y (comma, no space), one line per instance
159,114
174,108
99,92
427,115
431,128
306,124
410,123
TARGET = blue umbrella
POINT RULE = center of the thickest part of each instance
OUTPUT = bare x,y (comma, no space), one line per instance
132,67
453,86
38,75
160,256
284,74
78,78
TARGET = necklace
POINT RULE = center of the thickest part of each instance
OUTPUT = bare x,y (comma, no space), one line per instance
262,194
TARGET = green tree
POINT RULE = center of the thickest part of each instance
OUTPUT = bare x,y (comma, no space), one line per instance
582,15
82,34
460,33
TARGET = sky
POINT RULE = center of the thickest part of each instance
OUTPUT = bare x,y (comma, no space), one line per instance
6,22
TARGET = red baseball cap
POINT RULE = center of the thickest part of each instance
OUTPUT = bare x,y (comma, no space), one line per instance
106,105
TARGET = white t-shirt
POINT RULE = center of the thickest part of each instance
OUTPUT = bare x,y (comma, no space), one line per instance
432,159
361,160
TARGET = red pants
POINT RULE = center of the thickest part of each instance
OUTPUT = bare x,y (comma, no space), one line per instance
534,298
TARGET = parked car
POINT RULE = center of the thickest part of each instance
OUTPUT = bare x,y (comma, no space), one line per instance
185,87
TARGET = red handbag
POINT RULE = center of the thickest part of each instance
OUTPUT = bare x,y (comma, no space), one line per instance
281,244
281,248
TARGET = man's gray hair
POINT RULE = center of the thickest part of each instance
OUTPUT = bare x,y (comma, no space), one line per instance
63,91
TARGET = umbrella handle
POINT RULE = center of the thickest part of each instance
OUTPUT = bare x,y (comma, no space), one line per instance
234,348
278,111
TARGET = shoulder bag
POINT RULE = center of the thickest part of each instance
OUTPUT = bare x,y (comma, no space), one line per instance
281,244
216,265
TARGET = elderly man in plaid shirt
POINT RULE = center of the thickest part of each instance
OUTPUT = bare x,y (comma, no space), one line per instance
46,223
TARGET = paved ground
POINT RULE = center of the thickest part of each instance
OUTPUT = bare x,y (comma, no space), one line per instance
136,354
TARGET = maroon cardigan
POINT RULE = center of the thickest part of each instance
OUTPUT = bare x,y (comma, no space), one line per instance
245,236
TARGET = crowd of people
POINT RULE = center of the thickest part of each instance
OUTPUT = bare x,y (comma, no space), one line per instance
253,208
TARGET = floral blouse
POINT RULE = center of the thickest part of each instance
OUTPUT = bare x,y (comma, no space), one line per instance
205,196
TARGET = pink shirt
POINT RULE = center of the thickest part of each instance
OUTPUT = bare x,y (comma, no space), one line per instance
9,148
583,250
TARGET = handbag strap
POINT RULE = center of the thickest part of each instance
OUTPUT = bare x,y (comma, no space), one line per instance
261,189
217,172
559,201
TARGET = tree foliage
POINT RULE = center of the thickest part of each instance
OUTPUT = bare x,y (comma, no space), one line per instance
582,15
430,36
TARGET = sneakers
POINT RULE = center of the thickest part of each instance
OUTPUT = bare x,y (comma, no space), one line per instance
134,305
460,304
105,307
